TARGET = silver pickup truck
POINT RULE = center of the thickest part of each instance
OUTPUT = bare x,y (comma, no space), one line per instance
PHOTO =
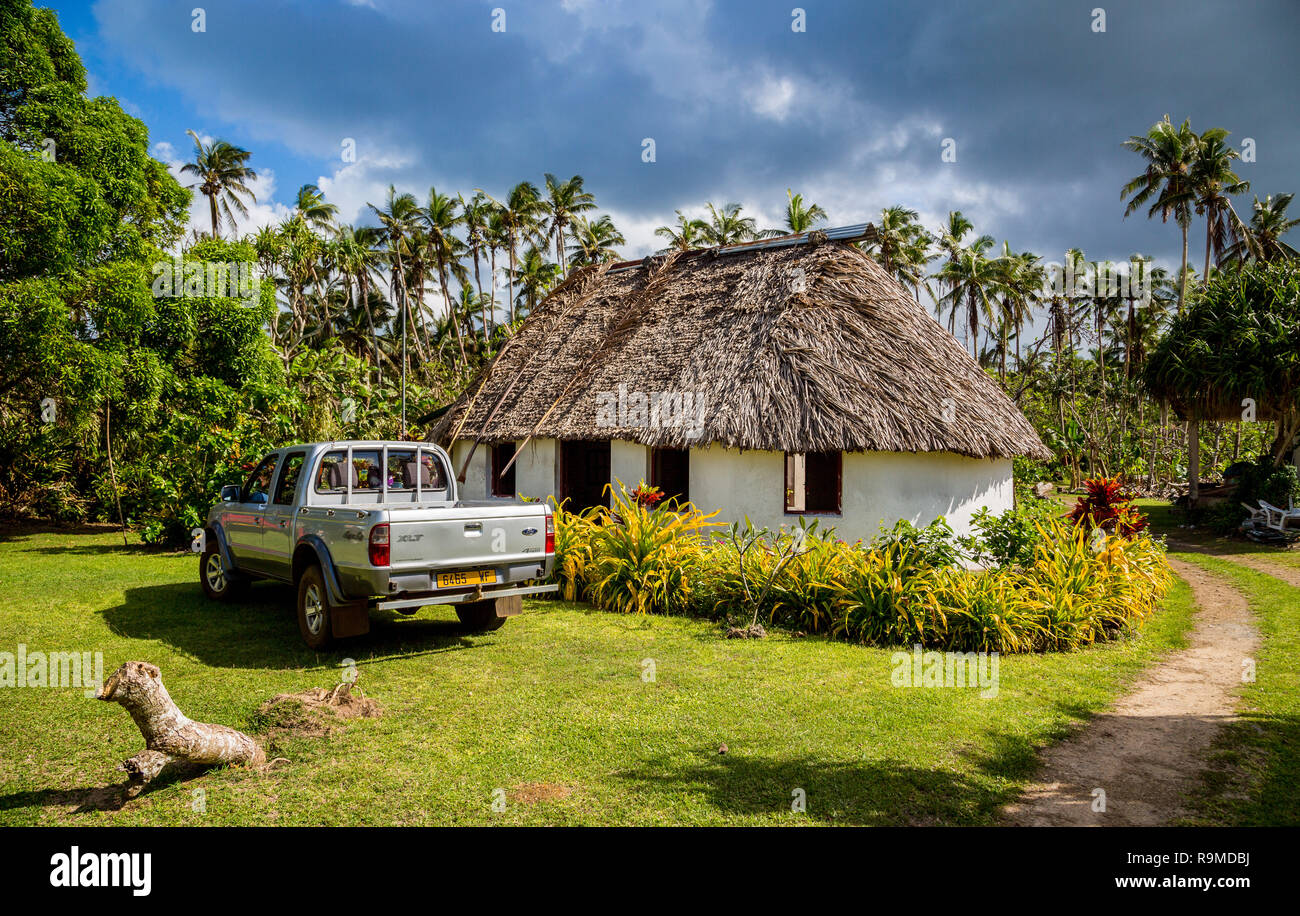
356,526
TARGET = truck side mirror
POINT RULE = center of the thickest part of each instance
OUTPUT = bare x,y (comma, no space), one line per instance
230,493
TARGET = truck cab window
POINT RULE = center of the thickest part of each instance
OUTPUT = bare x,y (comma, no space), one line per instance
258,487
288,482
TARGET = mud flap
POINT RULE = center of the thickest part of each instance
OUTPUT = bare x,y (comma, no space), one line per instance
509,606
351,619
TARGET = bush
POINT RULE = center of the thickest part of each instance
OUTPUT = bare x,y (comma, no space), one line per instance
1009,539
632,557
933,545
1058,589
1107,506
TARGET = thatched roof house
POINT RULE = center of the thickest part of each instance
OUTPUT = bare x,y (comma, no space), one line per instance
800,346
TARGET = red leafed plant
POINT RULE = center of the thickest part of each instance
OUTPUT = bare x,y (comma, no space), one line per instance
647,496
1108,506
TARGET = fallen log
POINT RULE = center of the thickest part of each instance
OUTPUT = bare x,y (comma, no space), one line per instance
169,736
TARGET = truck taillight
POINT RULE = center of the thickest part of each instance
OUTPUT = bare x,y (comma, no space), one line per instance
379,545
550,533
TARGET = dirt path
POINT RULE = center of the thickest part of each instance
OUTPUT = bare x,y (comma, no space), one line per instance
1145,753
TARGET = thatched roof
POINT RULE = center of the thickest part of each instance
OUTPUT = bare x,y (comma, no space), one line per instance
810,347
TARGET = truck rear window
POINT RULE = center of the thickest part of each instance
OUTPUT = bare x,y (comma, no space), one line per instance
331,478
405,471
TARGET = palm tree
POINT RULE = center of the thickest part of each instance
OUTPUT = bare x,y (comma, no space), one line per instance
496,235
951,242
536,276
687,234
727,227
1170,153
310,207
521,216
1023,282
399,217
901,246
1262,239
439,218
474,216
594,242
564,201
1214,179
223,179
357,256
975,281
800,217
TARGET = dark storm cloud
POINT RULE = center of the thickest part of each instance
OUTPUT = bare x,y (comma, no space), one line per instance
741,107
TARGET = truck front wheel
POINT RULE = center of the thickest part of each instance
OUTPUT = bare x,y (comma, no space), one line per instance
220,583
314,609
479,616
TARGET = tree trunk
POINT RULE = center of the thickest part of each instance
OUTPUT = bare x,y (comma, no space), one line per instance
1193,462
1182,281
1209,226
168,735
112,472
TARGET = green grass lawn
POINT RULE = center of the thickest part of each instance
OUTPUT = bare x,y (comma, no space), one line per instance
553,709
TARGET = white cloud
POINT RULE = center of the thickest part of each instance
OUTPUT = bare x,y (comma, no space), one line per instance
356,184
772,97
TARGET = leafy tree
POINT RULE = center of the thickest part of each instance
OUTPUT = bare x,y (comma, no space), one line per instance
1236,341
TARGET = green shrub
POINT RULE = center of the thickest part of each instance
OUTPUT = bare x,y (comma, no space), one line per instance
1008,539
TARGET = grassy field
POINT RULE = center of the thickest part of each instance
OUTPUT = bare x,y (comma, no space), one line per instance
556,709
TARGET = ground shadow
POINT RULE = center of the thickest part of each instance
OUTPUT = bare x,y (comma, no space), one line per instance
867,793
112,797
260,630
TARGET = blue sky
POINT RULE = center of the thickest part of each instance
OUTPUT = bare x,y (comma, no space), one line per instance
852,112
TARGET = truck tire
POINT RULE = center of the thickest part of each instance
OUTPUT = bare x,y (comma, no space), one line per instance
314,609
480,616
219,582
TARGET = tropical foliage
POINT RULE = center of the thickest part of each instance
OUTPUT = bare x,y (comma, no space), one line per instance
1055,585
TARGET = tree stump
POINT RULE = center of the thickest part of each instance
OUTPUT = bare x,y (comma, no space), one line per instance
169,736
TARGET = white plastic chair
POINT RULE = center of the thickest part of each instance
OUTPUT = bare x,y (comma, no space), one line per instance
1283,520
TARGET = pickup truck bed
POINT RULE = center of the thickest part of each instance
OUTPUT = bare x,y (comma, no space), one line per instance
362,525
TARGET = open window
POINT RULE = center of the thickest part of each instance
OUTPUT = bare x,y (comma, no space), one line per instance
503,484
812,482
670,471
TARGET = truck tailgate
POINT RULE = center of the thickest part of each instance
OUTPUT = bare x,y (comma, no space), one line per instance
467,537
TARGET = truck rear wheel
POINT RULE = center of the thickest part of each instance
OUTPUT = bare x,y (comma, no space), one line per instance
479,616
314,609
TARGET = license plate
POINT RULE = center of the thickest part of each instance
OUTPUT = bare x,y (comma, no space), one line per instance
465,577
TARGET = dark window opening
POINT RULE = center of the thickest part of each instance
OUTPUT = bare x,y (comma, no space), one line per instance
584,474
812,482
670,471
503,484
